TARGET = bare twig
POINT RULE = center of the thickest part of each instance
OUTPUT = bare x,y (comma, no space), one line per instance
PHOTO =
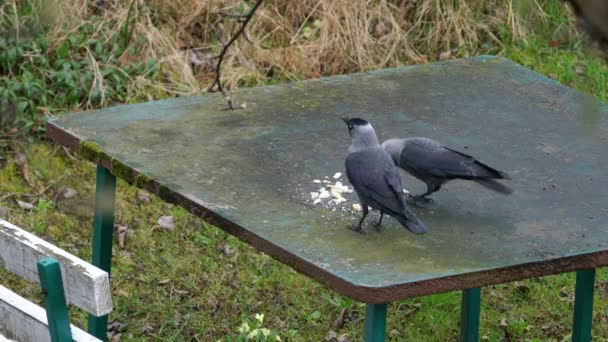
246,36
217,81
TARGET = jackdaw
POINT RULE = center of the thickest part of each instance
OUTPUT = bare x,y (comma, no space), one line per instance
375,178
435,164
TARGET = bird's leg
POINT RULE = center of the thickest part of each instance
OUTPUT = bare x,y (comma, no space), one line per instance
359,227
379,223
430,188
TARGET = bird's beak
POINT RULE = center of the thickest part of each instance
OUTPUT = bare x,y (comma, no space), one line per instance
346,120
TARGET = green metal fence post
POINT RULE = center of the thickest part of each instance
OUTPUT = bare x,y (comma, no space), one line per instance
469,315
54,301
375,322
583,305
103,229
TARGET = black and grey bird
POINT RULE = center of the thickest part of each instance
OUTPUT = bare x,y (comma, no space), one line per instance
375,178
436,164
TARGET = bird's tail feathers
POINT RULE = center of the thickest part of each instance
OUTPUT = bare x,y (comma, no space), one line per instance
412,223
495,186
503,175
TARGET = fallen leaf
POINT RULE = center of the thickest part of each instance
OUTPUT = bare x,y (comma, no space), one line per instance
579,69
166,222
315,74
331,336
122,232
164,281
69,193
380,29
126,58
25,205
143,196
343,338
123,293
339,322
445,55
116,325
20,159
503,323
554,43
227,250
148,329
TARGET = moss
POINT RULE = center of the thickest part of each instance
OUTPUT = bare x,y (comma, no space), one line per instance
120,170
11,180
90,151
142,181
164,192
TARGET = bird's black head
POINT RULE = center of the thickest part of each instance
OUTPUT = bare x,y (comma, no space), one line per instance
352,122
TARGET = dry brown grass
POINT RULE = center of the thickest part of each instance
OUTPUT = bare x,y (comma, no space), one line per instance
300,39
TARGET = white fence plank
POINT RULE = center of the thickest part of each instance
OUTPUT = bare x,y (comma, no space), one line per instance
24,321
85,285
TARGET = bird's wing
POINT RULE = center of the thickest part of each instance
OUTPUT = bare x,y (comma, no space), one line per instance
444,162
374,176
479,169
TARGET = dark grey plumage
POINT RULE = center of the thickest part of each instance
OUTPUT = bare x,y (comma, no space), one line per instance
375,178
435,164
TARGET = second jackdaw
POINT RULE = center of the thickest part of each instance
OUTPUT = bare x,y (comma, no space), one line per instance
435,164
375,178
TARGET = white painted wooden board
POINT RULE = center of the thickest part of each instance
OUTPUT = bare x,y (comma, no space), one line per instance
85,285
24,321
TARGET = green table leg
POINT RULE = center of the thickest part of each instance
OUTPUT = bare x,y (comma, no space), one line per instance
102,238
375,322
583,305
469,315
54,301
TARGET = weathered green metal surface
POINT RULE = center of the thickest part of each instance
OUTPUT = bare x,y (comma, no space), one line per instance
251,172
583,305
103,229
469,315
375,322
56,307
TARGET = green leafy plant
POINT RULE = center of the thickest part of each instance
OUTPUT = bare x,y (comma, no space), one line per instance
254,330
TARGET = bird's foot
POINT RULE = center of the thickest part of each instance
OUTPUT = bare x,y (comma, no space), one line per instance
378,226
357,228
423,199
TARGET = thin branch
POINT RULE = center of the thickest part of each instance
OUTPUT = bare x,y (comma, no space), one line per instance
222,54
246,36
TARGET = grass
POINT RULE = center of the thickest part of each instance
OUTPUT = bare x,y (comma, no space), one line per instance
196,282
